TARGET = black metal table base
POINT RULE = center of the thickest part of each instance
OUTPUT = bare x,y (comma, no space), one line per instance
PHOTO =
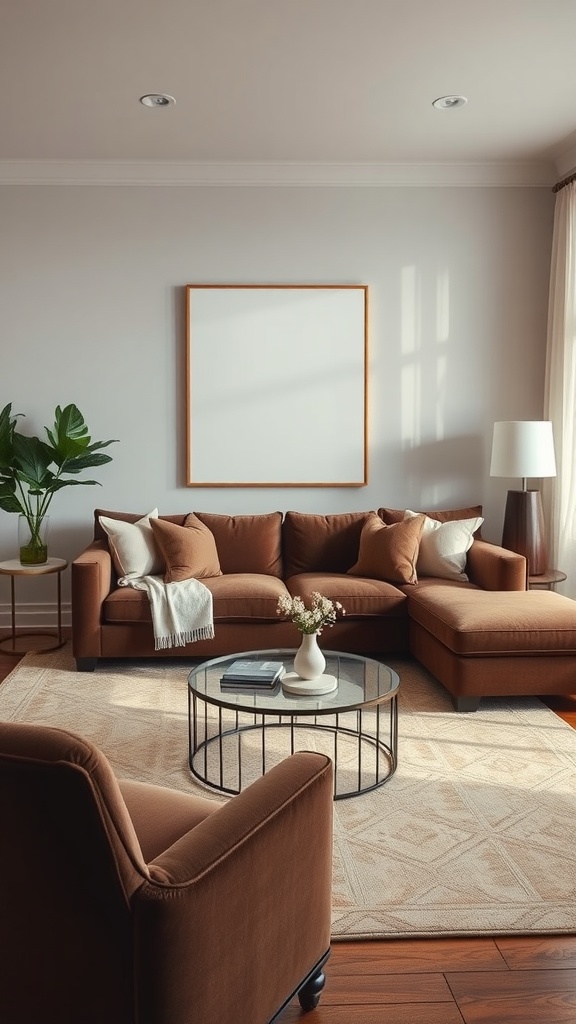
217,758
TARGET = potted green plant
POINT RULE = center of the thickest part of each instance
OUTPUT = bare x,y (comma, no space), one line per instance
32,470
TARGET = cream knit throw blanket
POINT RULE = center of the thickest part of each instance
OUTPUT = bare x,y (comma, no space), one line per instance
181,612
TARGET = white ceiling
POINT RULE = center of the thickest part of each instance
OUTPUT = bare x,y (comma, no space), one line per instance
299,81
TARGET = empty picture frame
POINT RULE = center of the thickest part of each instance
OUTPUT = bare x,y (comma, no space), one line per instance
276,385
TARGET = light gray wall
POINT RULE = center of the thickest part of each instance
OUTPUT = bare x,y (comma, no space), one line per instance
92,301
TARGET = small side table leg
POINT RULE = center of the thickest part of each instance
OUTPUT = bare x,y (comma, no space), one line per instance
13,611
59,577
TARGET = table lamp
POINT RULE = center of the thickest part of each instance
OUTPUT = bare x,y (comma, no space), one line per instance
525,449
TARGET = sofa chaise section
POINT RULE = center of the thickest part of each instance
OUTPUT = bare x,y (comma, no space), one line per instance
480,643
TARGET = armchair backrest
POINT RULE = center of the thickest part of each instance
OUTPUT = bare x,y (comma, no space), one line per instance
69,864
89,934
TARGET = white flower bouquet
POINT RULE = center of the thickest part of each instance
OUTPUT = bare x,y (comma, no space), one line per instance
322,612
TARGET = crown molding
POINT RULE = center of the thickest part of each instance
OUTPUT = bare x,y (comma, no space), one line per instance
290,173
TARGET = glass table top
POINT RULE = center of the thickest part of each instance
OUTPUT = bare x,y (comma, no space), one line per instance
361,682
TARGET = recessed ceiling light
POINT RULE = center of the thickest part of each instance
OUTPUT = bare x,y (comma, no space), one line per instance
157,99
449,102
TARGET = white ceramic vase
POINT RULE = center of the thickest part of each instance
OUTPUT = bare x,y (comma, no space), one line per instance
309,662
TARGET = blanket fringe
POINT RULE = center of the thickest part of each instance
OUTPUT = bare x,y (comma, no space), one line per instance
189,636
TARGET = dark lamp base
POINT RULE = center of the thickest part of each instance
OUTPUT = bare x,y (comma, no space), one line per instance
524,529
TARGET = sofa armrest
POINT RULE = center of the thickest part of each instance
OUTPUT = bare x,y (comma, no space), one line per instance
243,899
495,568
91,581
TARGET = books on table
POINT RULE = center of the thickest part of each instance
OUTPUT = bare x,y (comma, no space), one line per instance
252,674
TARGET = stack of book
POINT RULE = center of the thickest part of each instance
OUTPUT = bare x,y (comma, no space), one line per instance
252,675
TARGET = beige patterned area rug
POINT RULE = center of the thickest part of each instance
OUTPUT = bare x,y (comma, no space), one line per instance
475,833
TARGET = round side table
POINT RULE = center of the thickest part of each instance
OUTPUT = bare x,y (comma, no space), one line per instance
13,568
547,580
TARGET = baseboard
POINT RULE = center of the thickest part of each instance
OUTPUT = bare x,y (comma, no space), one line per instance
30,615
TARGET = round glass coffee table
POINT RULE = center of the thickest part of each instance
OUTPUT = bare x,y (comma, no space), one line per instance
236,735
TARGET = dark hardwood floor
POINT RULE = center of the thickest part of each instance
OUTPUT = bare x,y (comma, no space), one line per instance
525,980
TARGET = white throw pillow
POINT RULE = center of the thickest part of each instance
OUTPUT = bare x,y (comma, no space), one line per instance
133,546
443,546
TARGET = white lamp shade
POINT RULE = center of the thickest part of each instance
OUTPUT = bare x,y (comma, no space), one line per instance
523,448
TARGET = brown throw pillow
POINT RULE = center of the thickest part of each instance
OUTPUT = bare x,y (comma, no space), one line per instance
188,550
389,552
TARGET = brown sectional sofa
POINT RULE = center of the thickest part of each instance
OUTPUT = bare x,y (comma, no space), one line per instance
264,556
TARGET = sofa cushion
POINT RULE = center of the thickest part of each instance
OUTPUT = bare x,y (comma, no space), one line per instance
389,552
443,546
360,597
188,551
247,543
425,582
126,605
133,546
314,543
246,597
446,515
236,597
470,621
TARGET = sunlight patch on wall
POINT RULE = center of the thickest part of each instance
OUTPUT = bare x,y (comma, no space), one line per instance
442,306
442,334
410,344
409,310
441,393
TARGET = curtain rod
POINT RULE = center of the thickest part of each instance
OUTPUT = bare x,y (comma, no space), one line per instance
565,181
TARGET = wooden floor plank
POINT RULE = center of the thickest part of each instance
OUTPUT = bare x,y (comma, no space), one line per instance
564,705
395,955
384,988
545,952
406,1013
515,997
8,662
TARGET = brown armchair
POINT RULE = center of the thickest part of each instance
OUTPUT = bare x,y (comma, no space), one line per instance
127,903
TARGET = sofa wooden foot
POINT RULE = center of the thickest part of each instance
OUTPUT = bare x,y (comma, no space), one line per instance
466,703
86,664
309,994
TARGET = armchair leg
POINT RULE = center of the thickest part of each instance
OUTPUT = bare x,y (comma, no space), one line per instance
309,994
309,991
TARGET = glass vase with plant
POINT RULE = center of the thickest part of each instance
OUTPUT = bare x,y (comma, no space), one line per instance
32,470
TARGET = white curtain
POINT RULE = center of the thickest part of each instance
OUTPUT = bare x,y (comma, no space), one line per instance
560,389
